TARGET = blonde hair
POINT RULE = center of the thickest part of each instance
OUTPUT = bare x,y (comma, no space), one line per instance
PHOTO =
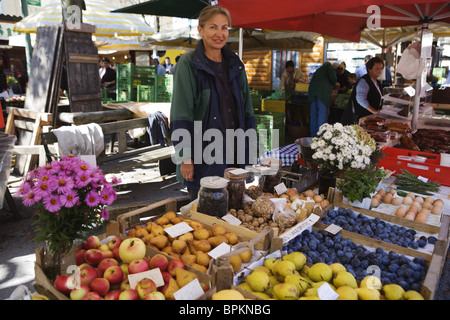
211,11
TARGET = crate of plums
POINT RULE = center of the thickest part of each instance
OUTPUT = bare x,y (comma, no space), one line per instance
367,245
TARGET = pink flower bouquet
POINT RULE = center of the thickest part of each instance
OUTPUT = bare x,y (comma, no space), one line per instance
70,197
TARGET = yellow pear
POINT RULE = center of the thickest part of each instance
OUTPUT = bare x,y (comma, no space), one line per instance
228,294
236,262
171,289
297,258
201,234
393,291
347,293
264,269
246,256
245,286
286,291
344,278
270,262
371,282
368,294
320,272
336,267
309,298
258,281
412,295
184,276
179,246
298,280
262,295
232,237
218,229
282,269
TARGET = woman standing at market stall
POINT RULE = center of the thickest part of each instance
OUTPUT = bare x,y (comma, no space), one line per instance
210,87
366,97
319,94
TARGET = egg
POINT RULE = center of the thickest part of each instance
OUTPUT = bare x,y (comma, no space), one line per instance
423,218
392,191
375,202
427,205
413,209
381,192
318,198
397,201
429,199
410,215
438,203
417,205
418,200
401,212
377,196
407,200
387,198
411,195
436,210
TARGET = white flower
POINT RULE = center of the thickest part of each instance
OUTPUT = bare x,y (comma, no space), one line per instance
321,143
332,157
328,135
314,145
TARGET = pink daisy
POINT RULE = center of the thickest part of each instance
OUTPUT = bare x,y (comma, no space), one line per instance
52,203
24,188
69,199
82,180
104,214
92,198
62,184
107,195
30,199
42,189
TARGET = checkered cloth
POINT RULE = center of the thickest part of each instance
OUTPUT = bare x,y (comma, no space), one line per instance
287,154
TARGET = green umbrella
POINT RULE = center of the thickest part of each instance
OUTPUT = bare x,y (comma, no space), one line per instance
169,8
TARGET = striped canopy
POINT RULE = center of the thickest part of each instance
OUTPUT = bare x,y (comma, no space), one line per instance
97,13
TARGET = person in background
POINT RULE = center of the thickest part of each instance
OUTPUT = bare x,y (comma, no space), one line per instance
167,65
172,70
351,79
366,97
342,77
3,83
319,94
290,77
210,85
107,74
362,70
159,68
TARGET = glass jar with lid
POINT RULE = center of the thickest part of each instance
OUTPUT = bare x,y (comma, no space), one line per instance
213,196
253,175
236,187
270,174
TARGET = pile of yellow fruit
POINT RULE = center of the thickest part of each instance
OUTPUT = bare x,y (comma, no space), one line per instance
192,247
291,279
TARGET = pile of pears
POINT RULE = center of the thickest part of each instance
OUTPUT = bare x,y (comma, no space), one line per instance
290,278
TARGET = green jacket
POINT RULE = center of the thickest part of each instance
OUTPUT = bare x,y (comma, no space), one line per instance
322,83
196,98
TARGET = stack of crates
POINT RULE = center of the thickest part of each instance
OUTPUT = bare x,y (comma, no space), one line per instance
164,88
129,77
270,121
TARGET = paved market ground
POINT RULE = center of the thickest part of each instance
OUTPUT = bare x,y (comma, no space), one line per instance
143,185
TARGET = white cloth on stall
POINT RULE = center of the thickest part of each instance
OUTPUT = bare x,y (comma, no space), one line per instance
86,139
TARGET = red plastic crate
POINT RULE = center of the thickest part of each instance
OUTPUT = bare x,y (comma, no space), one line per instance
397,159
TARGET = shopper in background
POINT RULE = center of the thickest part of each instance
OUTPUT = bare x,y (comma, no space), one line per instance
107,74
159,68
342,77
362,70
319,93
211,86
290,77
366,97
172,69
167,65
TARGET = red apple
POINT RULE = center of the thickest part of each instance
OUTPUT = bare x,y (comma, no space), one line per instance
138,265
173,264
107,254
155,295
100,285
79,293
144,287
205,286
63,283
147,258
92,295
114,243
128,294
131,249
113,295
106,263
93,256
87,274
116,254
113,274
159,261
166,276
79,257
125,284
92,243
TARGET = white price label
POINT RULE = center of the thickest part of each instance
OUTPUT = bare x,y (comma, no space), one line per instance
280,188
191,291
178,229
220,250
154,274
333,229
423,179
325,292
299,228
231,219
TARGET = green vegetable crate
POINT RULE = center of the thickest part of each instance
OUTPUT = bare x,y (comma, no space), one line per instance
270,120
